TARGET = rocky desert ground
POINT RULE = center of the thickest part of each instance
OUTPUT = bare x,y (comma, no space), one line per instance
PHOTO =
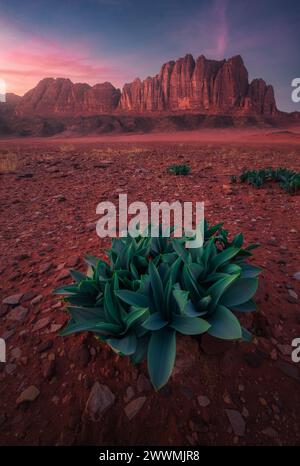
74,391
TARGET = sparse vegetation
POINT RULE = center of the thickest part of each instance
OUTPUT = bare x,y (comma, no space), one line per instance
154,288
289,180
181,170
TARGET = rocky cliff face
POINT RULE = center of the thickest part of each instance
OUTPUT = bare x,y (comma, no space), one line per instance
203,85
62,97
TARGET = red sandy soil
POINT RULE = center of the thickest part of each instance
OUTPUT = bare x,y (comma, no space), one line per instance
49,191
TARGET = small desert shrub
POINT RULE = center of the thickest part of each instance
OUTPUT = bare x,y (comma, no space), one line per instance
233,179
153,288
289,180
179,169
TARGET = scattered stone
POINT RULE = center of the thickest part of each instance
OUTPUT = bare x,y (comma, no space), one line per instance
55,327
63,274
49,369
143,384
296,276
285,350
28,296
293,294
203,401
41,323
45,346
100,400
129,394
237,422
245,412
45,267
18,314
134,407
13,300
29,394
36,300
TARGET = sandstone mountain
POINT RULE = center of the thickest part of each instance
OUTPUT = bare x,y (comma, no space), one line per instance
204,86
62,97
208,86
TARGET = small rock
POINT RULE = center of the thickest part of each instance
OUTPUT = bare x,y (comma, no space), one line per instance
41,323
129,394
29,394
18,314
49,369
55,327
45,345
237,422
286,350
36,300
245,412
203,401
100,400
296,276
134,407
13,300
63,274
293,294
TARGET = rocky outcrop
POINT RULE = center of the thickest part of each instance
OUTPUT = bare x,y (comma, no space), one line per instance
209,87
203,85
62,97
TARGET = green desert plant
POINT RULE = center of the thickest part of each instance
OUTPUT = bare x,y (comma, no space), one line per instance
289,180
182,170
154,288
233,179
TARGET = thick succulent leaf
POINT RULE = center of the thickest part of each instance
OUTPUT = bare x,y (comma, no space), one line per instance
191,311
189,325
133,298
136,317
141,349
77,276
239,292
190,284
181,251
161,356
92,326
238,240
157,287
83,314
248,306
218,288
223,257
181,298
66,289
82,299
231,269
91,260
155,322
250,271
196,270
110,306
126,345
224,324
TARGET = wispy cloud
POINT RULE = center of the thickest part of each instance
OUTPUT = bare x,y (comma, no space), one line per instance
26,58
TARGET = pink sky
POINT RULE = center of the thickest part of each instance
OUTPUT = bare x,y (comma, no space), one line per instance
27,58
